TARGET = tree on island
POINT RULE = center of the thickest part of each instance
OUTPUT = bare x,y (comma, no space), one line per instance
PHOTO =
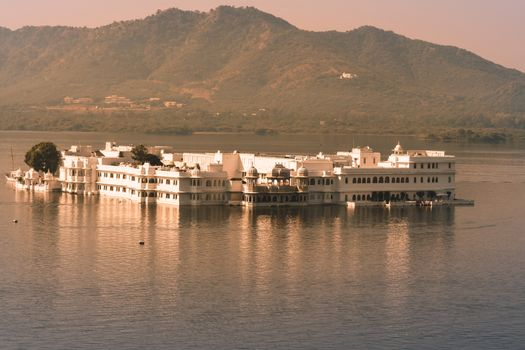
43,156
141,155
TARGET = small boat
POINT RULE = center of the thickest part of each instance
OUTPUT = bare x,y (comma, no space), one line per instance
14,176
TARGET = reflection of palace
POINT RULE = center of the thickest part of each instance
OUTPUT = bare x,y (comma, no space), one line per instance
351,178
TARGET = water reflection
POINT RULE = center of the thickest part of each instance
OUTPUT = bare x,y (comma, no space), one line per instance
285,258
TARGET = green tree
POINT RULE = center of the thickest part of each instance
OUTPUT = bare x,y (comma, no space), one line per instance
153,159
141,155
43,156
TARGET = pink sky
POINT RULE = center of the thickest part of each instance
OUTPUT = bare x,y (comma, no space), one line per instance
494,29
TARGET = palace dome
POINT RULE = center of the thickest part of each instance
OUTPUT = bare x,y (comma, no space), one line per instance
302,172
252,172
398,149
280,171
195,172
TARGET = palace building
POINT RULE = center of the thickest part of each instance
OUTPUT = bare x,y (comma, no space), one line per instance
355,178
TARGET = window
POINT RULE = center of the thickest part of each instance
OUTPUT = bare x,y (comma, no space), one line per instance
387,180
374,180
354,180
415,165
346,180
312,181
381,180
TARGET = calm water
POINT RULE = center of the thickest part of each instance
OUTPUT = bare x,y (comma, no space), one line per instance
72,274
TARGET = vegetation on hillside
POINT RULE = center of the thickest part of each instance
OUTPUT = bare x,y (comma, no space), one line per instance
239,69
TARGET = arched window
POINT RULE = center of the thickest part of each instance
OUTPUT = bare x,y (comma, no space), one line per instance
407,180
374,180
402,180
359,180
381,180
387,180
312,181
367,180
346,180
354,180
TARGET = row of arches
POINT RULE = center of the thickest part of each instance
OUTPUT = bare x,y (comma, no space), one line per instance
381,179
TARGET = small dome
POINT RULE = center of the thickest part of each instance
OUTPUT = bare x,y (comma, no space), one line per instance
302,172
252,172
398,149
195,172
280,171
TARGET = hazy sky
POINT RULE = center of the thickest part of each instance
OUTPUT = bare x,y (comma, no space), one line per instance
494,29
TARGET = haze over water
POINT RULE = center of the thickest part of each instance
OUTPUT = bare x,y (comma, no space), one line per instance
74,276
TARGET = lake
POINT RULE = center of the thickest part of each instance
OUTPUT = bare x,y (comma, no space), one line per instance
72,274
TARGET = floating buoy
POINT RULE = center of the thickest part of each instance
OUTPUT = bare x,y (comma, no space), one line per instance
141,242
15,221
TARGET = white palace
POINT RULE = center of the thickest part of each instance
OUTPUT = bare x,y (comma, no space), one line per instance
353,178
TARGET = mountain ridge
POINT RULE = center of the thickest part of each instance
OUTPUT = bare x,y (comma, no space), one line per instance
236,60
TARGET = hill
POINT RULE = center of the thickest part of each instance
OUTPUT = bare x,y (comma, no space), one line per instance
242,68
